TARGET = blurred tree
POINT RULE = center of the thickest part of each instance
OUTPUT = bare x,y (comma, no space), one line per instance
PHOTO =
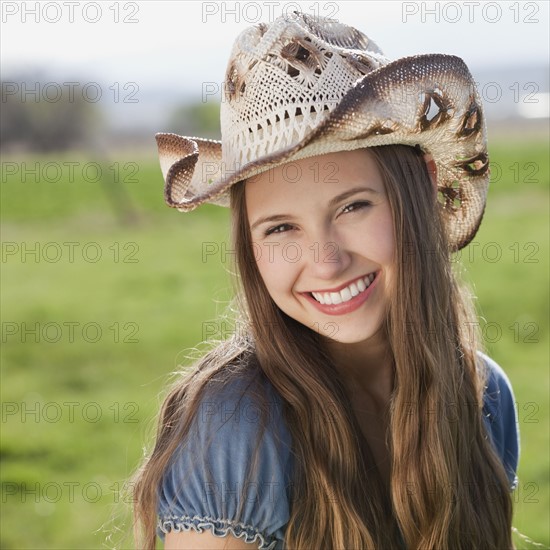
201,119
44,116
41,116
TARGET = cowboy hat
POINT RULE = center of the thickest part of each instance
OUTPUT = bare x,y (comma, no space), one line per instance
304,86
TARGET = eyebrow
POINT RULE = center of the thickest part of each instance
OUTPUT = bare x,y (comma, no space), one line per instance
332,203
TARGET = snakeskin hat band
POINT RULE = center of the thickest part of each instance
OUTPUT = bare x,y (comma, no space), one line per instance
303,86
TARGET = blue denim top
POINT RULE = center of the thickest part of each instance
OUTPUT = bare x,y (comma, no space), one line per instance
206,480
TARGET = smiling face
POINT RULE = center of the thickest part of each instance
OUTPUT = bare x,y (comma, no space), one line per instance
323,240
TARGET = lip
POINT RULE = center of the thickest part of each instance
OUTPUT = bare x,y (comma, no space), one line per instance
346,307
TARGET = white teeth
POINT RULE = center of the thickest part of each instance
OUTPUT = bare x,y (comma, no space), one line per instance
319,297
346,294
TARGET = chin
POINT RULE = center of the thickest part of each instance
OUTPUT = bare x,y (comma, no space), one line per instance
349,336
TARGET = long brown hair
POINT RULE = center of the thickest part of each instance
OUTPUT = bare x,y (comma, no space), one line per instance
448,488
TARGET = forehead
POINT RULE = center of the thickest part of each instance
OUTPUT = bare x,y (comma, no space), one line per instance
313,179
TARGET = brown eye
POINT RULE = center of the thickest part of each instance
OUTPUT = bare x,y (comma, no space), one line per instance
282,228
354,206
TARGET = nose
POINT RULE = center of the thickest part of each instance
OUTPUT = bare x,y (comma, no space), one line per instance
327,256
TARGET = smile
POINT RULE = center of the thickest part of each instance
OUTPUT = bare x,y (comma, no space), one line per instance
345,294
344,299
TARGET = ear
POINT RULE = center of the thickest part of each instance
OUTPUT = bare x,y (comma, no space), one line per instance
432,169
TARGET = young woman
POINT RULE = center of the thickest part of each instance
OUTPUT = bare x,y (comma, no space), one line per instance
353,407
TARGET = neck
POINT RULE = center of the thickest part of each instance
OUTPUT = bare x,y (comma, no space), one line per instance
366,369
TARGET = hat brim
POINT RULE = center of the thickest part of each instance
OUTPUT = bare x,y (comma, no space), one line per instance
426,100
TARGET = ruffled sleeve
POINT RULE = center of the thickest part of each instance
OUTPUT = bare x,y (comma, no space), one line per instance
500,416
213,482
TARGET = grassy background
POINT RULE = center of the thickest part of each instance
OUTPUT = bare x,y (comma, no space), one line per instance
95,395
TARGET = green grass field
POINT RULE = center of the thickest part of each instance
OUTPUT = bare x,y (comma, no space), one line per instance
120,290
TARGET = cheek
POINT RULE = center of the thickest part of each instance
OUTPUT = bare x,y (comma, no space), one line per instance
276,272
375,240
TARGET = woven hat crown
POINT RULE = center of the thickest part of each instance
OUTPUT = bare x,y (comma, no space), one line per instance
283,79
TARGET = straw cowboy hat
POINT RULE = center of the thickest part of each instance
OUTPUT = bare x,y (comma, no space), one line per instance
303,86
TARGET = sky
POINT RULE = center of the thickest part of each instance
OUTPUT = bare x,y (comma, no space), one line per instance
178,47
161,40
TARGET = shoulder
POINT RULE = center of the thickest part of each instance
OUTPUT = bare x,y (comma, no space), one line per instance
232,473
497,379
498,398
500,416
